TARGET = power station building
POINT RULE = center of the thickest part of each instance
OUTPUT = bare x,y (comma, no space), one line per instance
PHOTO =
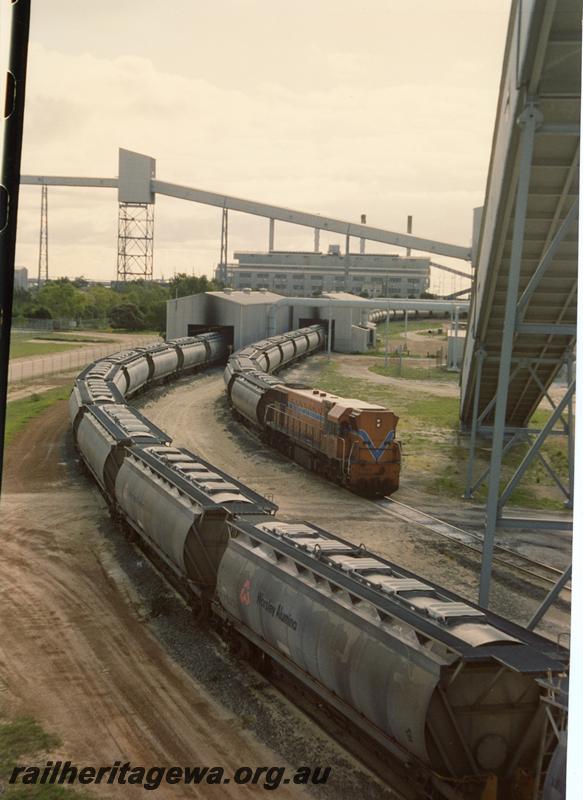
309,274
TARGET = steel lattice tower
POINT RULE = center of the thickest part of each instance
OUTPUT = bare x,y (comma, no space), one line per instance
135,241
43,249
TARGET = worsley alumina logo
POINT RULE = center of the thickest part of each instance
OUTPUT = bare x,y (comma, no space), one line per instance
245,594
276,611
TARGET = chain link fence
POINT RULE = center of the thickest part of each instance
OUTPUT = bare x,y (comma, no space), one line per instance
24,324
23,369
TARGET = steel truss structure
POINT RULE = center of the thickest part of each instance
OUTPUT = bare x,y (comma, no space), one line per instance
135,241
522,324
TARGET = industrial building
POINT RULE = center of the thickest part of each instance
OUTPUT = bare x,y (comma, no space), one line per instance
309,274
21,278
247,316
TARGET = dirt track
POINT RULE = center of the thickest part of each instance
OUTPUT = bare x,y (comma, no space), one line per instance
78,655
359,368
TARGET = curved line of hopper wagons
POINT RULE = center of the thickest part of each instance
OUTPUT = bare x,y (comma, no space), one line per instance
447,688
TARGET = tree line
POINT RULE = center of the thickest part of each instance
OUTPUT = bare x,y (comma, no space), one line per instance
133,305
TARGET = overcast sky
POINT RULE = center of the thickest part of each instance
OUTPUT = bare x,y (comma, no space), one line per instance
381,107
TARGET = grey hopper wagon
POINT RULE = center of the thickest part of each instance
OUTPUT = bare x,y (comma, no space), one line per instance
104,434
247,377
163,360
438,680
192,352
247,393
179,503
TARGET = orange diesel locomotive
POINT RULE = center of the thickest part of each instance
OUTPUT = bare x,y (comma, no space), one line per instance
345,440
348,441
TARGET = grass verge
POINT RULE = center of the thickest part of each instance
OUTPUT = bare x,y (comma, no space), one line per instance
24,742
19,412
415,373
433,455
73,337
25,348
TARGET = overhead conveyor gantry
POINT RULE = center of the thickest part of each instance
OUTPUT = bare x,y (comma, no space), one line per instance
522,322
137,183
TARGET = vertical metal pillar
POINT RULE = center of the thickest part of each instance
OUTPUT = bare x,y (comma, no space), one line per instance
225,243
43,247
570,436
387,337
271,235
470,472
346,262
529,120
316,240
456,325
329,343
409,230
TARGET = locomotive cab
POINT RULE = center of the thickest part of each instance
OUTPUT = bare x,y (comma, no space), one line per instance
373,454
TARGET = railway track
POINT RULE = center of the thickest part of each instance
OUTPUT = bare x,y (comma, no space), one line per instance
503,556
